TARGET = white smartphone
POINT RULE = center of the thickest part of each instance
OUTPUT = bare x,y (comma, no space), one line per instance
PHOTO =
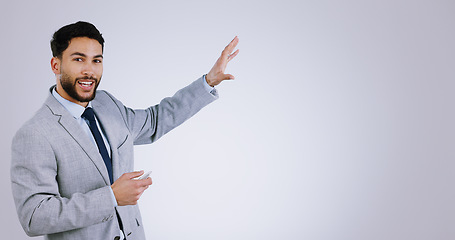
143,176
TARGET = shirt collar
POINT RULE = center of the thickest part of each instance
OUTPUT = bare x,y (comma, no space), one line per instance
73,108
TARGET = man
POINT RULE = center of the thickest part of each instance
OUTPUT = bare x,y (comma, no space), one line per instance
72,163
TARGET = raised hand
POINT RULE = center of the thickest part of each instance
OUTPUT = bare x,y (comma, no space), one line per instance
216,74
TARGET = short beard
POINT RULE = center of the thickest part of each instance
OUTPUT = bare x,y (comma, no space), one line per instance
70,87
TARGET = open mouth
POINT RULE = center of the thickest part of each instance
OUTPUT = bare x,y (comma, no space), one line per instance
86,85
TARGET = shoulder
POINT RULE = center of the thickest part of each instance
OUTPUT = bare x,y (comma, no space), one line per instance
108,102
104,97
38,124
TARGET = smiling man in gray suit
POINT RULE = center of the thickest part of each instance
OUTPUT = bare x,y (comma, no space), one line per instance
72,163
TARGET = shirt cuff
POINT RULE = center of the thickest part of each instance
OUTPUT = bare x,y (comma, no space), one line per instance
114,201
207,87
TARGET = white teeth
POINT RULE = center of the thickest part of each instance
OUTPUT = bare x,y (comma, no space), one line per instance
86,83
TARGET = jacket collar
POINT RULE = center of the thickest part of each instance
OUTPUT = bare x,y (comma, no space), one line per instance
69,123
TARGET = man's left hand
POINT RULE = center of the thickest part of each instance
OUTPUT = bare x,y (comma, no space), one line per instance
216,74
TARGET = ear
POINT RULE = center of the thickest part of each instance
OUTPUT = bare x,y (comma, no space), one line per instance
55,65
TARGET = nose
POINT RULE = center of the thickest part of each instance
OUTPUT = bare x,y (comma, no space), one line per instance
88,69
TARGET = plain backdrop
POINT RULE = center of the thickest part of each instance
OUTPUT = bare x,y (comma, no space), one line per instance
339,125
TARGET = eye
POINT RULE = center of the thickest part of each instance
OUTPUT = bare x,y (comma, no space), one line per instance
97,61
78,59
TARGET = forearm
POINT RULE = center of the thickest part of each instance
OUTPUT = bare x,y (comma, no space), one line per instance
43,214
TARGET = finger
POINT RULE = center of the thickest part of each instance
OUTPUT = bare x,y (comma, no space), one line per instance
145,182
230,57
231,46
142,189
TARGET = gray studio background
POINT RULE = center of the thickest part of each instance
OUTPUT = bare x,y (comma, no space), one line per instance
339,125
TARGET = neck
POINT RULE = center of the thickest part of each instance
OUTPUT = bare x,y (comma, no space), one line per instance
65,95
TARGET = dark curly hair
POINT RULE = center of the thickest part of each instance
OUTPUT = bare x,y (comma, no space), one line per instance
62,37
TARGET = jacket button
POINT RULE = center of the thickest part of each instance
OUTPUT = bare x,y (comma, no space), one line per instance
117,238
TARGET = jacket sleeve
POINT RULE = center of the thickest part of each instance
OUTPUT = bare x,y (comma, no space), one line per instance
40,207
148,125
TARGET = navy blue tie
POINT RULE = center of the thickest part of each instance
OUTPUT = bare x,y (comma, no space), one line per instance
90,116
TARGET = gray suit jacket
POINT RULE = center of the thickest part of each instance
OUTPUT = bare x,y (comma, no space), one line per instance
59,181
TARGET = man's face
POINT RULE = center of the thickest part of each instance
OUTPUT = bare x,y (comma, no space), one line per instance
79,70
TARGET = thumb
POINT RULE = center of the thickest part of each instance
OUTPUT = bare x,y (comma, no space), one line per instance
135,174
228,77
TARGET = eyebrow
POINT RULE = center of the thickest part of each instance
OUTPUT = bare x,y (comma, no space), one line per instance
83,55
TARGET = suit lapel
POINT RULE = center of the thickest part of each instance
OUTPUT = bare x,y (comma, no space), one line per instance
73,128
113,133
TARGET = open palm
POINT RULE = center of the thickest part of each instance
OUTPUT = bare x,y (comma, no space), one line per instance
216,74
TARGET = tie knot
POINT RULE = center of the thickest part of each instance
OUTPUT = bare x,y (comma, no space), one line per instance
89,114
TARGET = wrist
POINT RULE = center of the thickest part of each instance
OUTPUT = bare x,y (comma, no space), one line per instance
208,81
